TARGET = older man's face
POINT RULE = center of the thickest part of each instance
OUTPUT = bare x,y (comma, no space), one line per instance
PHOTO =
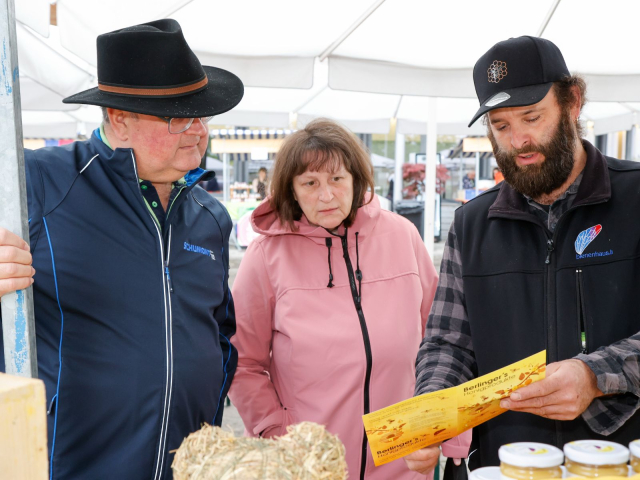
164,157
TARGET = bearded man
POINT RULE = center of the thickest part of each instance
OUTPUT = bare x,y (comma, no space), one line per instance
548,259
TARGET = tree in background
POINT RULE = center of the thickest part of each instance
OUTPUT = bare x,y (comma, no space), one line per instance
413,176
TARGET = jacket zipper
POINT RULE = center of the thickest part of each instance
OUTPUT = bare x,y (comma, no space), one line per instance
169,343
552,344
357,301
550,264
169,338
166,266
582,321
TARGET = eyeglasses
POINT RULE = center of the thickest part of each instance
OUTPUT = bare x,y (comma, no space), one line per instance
179,125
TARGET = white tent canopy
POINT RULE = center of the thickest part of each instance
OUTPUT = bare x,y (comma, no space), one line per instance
398,53
429,48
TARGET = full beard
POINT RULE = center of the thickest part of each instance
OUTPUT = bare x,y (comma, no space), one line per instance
543,178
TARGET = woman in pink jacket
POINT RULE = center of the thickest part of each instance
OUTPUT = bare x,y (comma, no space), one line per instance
331,301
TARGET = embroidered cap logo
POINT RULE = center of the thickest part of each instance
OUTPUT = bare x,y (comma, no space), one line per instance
497,71
586,237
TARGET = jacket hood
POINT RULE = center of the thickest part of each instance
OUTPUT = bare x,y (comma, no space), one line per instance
265,222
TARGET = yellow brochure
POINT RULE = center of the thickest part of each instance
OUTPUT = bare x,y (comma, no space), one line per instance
418,422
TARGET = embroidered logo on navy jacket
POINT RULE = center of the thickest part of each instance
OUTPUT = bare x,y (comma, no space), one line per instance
195,248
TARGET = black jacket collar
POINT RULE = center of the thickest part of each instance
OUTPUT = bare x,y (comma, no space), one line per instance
594,188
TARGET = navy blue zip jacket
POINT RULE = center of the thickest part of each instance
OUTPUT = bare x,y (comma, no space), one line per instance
133,322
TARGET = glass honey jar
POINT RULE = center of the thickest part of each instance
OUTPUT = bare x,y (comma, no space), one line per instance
596,458
530,461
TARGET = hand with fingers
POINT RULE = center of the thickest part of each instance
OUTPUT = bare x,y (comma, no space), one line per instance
567,390
424,461
16,272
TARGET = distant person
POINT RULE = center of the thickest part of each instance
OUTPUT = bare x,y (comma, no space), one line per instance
331,300
497,175
469,180
390,190
260,184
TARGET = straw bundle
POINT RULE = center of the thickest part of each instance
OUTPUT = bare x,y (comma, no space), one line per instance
306,452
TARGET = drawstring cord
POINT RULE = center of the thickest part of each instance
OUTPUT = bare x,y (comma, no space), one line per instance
328,242
358,271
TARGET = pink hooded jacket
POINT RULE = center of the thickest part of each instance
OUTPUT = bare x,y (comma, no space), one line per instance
304,352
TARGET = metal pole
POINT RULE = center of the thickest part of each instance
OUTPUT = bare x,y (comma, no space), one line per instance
461,168
329,50
18,326
430,174
635,143
225,177
397,173
591,137
547,19
475,184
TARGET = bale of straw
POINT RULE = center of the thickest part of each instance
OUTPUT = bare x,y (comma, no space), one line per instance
306,452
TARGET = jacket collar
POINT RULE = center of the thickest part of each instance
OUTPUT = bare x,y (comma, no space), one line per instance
121,160
595,187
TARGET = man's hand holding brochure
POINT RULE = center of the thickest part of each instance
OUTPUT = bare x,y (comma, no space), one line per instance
418,422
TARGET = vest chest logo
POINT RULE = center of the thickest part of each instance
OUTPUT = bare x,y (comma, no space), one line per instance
196,249
584,239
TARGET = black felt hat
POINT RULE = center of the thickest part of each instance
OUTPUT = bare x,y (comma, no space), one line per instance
516,73
150,69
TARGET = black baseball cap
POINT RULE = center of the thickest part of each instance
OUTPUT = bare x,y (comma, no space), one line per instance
517,72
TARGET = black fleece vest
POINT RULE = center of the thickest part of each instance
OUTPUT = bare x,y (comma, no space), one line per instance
528,290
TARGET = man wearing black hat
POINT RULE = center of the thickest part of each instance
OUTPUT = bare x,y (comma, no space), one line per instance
133,311
548,259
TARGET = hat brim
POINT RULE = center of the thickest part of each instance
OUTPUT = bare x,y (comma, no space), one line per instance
517,97
223,92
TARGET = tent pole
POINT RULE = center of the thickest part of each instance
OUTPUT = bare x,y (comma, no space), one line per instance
430,174
546,20
477,172
398,182
329,50
635,143
460,171
18,324
397,173
174,9
225,177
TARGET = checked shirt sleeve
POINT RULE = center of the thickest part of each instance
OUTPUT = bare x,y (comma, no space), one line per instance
446,358
617,370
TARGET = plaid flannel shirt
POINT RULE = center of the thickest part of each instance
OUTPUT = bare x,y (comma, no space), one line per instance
446,357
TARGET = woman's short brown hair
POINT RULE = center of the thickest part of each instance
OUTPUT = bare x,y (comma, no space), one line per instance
323,145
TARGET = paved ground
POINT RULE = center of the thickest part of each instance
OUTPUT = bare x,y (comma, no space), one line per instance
231,418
